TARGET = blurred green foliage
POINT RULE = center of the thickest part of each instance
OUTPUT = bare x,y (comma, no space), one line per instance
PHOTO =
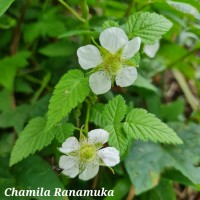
38,43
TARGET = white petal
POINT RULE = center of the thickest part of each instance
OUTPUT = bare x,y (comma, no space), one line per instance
90,171
109,156
113,39
98,136
131,48
151,50
100,82
70,144
70,165
126,76
89,56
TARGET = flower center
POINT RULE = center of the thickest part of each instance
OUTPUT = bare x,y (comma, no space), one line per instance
112,63
87,152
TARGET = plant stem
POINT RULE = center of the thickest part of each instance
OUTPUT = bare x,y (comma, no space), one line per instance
86,129
131,193
128,11
85,10
85,15
72,11
43,85
192,100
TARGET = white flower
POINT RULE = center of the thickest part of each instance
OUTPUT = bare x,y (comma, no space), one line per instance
151,50
111,61
84,157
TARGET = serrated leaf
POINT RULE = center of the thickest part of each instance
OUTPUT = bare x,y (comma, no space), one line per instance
146,161
117,137
149,26
114,111
4,5
71,90
66,130
96,115
145,126
110,23
31,139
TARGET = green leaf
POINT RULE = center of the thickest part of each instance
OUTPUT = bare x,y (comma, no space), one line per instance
149,26
110,23
9,66
66,130
15,118
173,110
33,173
117,137
114,111
164,191
71,90
6,143
113,114
47,24
5,101
185,8
4,5
121,188
75,32
32,138
96,115
6,179
146,161
143,82
145,126
58,49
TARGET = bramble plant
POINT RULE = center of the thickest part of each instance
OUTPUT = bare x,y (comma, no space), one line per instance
101,96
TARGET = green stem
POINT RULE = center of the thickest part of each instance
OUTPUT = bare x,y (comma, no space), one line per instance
43,85
85,10
128,11
192,100
85,15
86,128
72,11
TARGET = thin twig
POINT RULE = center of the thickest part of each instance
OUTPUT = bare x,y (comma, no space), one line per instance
192,100
72,11
131,193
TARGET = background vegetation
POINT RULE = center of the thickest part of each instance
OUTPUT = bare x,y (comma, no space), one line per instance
38,44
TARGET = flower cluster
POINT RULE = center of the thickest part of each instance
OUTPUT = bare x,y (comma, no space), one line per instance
111,61
85,157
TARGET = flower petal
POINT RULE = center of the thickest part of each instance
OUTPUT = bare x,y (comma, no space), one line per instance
70,144
131,48
126,76
113,39
90,171
89,56
151,50
70,165
109,156
98,136
100,82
